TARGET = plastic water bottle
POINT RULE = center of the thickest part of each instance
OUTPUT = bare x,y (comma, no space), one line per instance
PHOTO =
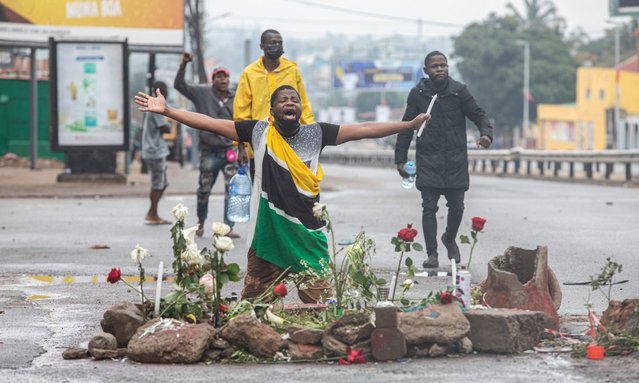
411,169
239,196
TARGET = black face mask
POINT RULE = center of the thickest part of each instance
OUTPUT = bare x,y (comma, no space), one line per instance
274,51
287,127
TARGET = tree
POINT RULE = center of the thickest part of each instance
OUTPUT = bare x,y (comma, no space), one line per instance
491,64
537,14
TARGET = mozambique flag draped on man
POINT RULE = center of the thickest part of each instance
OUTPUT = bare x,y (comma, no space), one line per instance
288,232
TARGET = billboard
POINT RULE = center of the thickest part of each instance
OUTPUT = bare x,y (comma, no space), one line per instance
624,7
88,88
142,22
376,74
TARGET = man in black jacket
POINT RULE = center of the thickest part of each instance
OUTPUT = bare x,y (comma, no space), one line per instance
441,152
215,101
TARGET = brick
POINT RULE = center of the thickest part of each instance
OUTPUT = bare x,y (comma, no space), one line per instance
505,331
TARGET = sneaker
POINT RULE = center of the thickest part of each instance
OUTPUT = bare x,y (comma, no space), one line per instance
431,262
200,229
451,247
232,234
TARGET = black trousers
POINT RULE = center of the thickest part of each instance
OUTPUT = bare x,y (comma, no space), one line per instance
455,204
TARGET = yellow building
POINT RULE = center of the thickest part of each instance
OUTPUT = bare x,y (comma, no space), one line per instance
589,123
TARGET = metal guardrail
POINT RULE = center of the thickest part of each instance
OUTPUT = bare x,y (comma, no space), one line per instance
577,164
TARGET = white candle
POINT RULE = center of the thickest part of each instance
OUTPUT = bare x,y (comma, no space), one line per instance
391,293
158,288
453,267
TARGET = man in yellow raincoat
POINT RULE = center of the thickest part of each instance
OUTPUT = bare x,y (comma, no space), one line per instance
260,79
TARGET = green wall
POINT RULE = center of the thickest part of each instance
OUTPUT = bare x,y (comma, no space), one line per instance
15,112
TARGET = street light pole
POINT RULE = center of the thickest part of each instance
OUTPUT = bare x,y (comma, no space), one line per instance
526,109
620,140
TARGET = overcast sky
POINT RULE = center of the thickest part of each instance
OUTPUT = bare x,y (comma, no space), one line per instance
307,18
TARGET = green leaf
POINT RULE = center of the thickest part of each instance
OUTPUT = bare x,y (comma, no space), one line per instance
380,282
474,234
394,241
234,278
418,247
408,262
233,268
464,239
405,301
224,278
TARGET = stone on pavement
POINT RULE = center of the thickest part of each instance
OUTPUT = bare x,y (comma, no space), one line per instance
442,324
122,320
103,341
249,333
622,316
75,353
170,341
505,331
304,335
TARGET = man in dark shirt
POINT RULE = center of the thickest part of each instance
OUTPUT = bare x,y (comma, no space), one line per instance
287,177
441,151
215,101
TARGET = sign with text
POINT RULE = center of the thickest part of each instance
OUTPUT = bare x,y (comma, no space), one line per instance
89,109
374,74
142,22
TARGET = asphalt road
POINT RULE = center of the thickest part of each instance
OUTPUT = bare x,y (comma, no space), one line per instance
581,224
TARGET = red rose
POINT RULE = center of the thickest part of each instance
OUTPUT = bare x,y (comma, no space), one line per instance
356,356
478,223
446,297
343,362
114,275
407,234
222,307
280,289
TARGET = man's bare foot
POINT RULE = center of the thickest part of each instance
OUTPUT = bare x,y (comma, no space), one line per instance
232,234
158,221
200,229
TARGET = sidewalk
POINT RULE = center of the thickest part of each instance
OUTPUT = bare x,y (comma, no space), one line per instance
21,182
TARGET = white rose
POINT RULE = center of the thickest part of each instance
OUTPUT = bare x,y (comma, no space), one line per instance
220,228
138,254
223,244
207,280
189,235
319,210
408,283
180,211
191,256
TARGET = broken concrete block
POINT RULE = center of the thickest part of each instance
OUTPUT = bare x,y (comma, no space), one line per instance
505,331
521,279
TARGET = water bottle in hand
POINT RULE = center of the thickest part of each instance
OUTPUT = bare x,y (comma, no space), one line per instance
239,196
411,170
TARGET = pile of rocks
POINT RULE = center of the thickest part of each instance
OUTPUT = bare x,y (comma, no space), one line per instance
434,331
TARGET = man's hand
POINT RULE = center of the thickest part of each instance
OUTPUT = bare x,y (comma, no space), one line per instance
147,103
186,58
419,120
400,170
484,142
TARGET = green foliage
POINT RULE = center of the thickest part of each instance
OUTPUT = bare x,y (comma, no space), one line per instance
606,277
491,64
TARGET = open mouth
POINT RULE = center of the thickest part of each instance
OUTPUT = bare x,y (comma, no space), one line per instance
290,113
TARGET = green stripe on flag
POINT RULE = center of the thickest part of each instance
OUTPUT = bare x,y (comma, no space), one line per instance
284,243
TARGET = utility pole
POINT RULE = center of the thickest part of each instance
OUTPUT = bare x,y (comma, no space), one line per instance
525,123
195,18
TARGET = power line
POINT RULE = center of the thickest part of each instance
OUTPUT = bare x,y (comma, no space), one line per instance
372,14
